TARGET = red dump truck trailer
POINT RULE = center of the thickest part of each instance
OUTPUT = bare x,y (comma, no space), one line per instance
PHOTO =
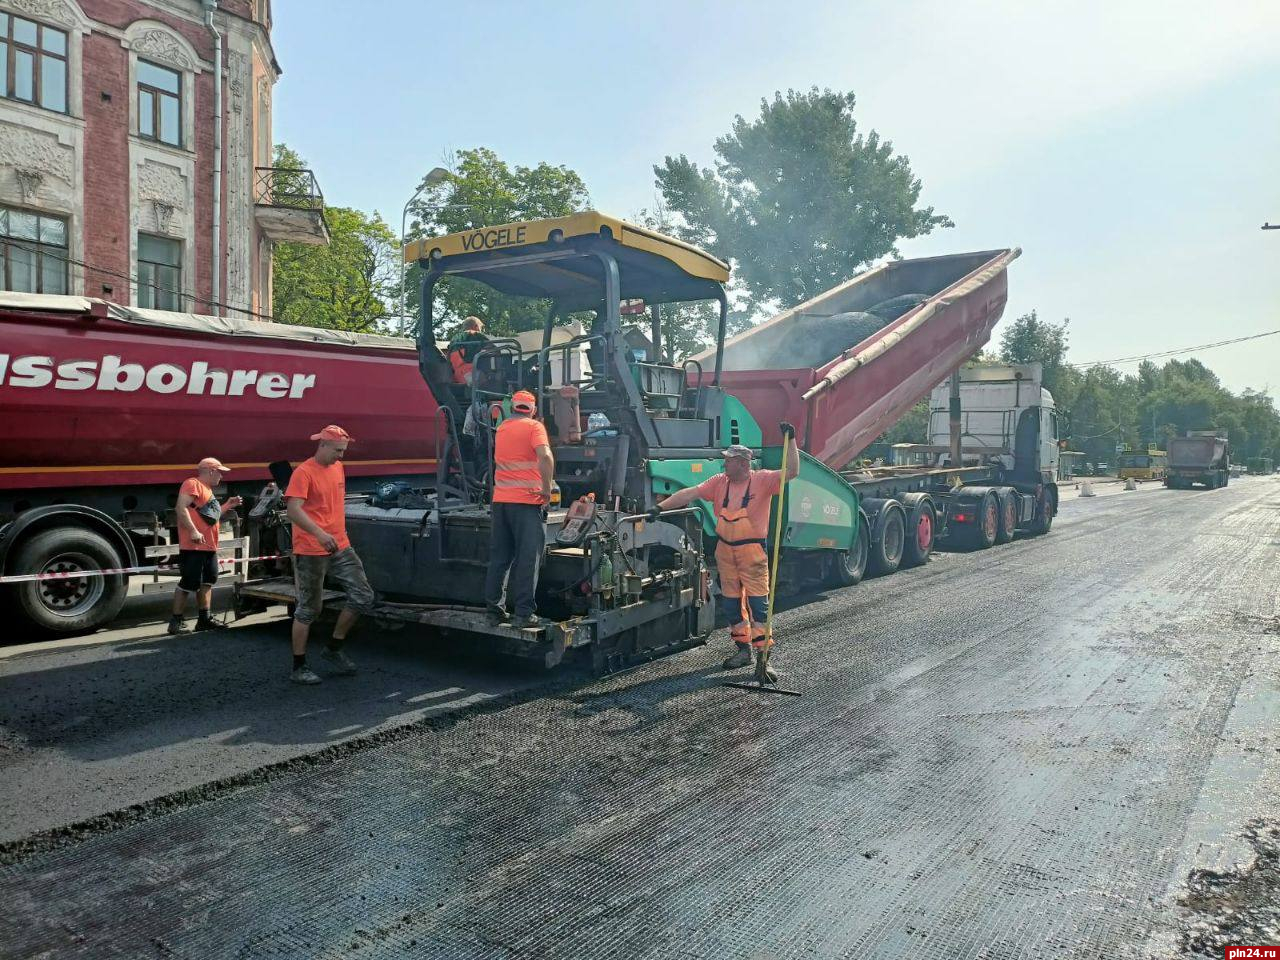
846,365
105,410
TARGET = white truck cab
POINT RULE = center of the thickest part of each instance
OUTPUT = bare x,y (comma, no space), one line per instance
1006,417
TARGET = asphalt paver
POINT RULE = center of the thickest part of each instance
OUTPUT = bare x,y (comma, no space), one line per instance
1066,746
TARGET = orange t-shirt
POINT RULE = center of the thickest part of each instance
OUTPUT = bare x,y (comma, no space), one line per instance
200,495
516,478
323,491
763,485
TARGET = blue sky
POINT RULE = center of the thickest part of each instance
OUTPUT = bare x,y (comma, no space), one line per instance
1133,155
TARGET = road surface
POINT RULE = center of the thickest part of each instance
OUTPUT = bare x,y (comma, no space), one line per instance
1068,747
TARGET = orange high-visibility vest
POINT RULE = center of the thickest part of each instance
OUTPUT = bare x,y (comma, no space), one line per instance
515,461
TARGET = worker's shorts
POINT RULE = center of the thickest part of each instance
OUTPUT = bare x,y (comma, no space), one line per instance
344,569
197,568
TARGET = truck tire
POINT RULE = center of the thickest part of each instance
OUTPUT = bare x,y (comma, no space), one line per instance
1007,501
1046,507
74,605
848,566
986,522
922,529
887,548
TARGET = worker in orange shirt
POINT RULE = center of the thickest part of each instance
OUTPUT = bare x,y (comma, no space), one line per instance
741,498
523,472
316,504
199,514
463,350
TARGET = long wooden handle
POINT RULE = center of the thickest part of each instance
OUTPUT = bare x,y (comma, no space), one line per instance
777,535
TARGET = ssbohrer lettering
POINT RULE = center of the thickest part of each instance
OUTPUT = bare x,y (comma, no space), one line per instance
114,374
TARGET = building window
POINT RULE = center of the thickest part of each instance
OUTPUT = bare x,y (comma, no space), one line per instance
159,272
33,62
159,103
33,251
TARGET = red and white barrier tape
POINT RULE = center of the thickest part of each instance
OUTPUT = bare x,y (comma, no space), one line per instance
78,574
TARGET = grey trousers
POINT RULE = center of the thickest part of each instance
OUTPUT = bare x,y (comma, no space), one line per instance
516,542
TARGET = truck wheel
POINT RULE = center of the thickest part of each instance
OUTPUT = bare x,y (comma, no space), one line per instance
922,526
72,605
986,522
1008,514
886,551
848,566
1046,507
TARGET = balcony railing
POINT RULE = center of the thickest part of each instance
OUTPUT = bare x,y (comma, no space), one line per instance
289,206
287,187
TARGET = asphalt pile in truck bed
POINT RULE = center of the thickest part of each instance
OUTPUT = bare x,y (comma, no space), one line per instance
812,341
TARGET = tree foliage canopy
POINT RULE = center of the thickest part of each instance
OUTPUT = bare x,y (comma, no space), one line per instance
799,199
1107,408
1104,408
347,285
482,189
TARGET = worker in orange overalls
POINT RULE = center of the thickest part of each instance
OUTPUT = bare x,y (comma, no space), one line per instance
741,498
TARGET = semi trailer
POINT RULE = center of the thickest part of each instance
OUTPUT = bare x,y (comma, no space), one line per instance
990,467
630,427
105,410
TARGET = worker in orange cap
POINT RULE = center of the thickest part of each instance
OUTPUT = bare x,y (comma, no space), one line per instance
315,502
199,515
740,498
523,471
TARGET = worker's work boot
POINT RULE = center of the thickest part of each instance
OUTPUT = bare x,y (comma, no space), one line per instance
177,627
527,622
496,615
205,621
338,662
304,675
740,659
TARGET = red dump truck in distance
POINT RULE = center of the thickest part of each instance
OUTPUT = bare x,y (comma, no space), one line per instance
105,410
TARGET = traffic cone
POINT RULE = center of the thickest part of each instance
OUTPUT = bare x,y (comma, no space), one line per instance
1086,489
1130,483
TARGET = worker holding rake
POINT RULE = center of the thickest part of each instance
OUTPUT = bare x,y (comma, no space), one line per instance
741,499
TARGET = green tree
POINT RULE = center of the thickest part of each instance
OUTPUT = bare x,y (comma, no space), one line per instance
800,199
1028,339
483,190
689,328
347,285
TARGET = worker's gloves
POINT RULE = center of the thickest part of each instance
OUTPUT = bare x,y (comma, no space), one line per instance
653,513
788,430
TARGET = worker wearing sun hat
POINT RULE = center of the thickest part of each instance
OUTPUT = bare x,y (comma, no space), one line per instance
523,471
741,499
316,504
198,513
464,348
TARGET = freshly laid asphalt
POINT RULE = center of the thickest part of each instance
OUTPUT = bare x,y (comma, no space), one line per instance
1065,746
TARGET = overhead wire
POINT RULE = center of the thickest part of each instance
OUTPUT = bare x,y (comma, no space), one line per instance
1174,353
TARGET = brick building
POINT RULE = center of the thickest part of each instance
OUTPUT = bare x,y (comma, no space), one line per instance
114,181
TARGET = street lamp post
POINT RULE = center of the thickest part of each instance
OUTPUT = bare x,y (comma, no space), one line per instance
437,175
